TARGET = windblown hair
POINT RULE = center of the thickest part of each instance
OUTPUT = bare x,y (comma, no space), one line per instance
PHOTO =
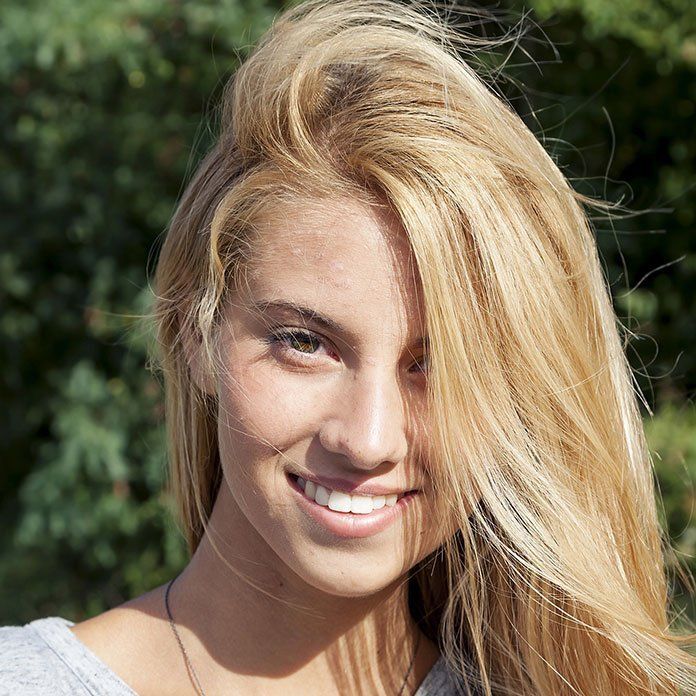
555,582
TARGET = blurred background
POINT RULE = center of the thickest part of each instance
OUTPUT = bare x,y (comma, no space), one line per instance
106,109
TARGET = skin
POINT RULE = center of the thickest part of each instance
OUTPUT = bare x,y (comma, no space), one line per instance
271,602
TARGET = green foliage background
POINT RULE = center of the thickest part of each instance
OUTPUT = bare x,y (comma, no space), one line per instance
103,116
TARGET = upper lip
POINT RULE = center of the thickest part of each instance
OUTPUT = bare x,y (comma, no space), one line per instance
354,487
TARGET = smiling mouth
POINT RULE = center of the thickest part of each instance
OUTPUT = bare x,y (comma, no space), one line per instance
342,501
345,515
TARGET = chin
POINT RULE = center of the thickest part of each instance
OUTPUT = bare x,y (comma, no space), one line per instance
344,576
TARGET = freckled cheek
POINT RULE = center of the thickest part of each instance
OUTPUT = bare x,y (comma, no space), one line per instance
263,425
261,412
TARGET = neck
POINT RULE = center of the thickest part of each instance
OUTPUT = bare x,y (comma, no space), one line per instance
254,616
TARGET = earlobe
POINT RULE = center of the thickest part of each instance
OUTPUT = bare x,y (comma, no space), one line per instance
201,375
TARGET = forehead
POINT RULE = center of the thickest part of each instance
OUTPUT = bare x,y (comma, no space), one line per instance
342,256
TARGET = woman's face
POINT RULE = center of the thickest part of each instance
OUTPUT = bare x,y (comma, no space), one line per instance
323,380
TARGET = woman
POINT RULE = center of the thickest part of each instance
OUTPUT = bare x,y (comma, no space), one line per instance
405,449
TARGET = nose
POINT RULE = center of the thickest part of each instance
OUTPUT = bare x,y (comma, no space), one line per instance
367,420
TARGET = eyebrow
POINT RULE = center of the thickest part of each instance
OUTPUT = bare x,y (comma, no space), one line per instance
305,313
312,316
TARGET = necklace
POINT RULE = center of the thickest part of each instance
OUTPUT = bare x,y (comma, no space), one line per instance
192,672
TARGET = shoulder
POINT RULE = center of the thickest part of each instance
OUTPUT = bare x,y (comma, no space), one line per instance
29,663
45,658
442,680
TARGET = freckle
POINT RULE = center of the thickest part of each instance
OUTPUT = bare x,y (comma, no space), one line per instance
335,278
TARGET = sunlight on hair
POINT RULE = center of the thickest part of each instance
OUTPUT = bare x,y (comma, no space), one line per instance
554,582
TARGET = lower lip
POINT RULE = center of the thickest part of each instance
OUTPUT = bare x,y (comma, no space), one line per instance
347,524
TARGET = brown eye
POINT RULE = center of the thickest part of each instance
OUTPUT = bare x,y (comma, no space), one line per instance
299,341
422,365
298,344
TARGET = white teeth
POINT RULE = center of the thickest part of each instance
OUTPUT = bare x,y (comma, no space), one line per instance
361,504
378,502
321,496
338,501
310,489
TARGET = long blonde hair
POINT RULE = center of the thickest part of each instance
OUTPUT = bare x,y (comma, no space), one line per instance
555,581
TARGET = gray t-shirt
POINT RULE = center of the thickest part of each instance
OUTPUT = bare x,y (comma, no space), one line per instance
45,658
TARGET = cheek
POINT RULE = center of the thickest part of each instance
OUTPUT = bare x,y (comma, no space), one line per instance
262,414
253,428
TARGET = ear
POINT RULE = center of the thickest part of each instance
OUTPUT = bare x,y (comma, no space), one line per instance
198,367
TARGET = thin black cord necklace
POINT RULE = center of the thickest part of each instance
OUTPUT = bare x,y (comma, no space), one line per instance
192,672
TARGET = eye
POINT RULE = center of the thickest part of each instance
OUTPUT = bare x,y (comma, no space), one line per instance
422,365
296,343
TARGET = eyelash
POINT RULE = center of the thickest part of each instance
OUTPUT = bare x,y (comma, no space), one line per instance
285,337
